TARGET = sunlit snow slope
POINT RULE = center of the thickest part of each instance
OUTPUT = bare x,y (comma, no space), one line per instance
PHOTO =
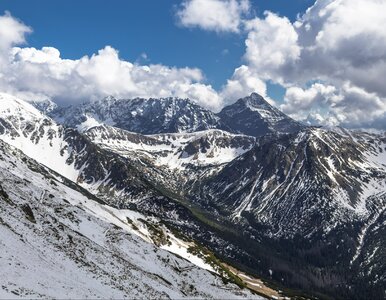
57,241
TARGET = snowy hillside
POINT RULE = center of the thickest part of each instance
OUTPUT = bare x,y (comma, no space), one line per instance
58,242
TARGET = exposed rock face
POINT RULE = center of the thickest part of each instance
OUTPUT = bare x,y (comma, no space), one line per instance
317,176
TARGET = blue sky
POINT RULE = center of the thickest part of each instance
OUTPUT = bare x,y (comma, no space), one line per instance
136,27
319,61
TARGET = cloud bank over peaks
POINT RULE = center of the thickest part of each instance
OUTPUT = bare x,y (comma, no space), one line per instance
35,74
39,74
331,60
347,106
338,43
271,46
243,82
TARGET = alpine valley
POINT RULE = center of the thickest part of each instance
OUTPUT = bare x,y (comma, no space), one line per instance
161,198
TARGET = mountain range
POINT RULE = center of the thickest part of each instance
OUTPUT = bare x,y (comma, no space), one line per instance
109,185
250,116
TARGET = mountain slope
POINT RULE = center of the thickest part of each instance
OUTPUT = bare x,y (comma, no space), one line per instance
314,197
57,242
68,152
24,127
254,116
315,168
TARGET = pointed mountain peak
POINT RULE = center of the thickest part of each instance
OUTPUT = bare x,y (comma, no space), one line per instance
253,115
254,99
255,103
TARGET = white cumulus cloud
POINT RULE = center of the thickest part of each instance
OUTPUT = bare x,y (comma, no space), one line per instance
214,15
12,31
271,45
243,82
338,43
35,74
348,105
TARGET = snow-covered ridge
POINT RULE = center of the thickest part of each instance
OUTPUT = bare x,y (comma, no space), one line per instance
175,150
39,137
42,139
14,107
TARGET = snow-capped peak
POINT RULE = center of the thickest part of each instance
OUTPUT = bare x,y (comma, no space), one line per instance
253,115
